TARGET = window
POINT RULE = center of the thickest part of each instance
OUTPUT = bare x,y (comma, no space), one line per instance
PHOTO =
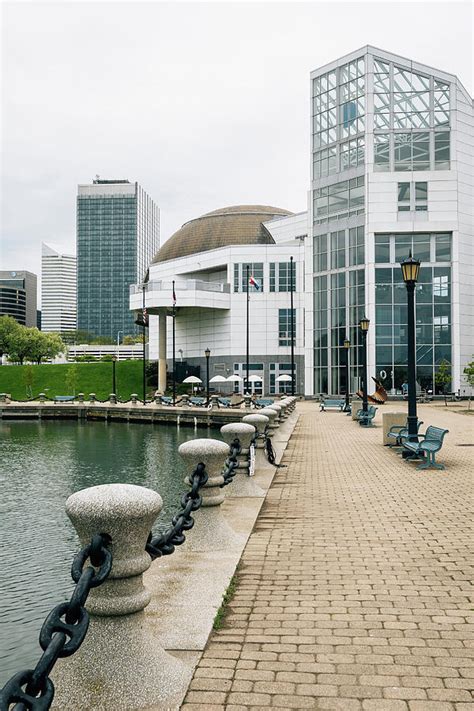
382,151
356,246
284,326
442,154
320,247
343,199
240,277
425,246
280,276
325,162
382,249
443,247
352,153
338,249
413,197
412,151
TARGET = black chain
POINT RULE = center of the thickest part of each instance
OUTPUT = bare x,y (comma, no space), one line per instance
165,543
230,467
62,632
269,451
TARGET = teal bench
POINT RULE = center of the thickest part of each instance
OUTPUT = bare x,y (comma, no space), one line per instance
365,418
431,442
263,402
400,432
165,400
197,401
64,398
327,402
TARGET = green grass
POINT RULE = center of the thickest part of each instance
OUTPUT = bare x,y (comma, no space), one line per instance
223,609
91,378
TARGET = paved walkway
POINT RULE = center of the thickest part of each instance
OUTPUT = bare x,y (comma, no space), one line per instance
354,589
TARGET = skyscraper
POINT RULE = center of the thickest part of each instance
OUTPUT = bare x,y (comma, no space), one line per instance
118,232
18,296
58,290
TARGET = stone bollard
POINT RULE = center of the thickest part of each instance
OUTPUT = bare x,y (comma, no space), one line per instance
272,416
184,401
92,397
210,531
134,398
277,409
284,414
3,397
80,398
355,406
113,399
247,401
260,422
243,485
42,397
214,402
120,665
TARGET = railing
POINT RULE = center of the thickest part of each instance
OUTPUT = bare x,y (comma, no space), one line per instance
188,285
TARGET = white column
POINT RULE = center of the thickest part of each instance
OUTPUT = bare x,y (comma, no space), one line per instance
162,352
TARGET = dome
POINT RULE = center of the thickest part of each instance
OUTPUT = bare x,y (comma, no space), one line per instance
240,224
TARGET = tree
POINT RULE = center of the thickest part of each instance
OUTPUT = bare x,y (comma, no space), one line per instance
28,379
54,345
469,375
8,328
21,343
72,378
443,378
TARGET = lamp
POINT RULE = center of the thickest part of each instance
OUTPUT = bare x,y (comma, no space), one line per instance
364,324
207,353
410,270
347,345
364,327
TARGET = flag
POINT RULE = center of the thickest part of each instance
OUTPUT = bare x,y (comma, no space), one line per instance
253,282
174,296
142,319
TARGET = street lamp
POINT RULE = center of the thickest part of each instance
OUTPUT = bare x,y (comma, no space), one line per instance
207,353
364,327
347,345
410,270
292,327
114,361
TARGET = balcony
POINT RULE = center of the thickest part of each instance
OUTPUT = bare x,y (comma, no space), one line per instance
189,293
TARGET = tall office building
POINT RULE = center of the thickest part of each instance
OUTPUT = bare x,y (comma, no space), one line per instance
18,296
118,232
58,290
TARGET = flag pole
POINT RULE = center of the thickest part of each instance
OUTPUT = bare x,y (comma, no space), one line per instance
174,346
247,364
143,336
292,327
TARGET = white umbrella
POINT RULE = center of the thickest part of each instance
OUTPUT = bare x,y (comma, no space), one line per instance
192,380
284,379
234,379
218,379
255,379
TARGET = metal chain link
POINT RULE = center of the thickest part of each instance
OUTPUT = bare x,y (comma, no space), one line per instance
230,466
62,632
165,543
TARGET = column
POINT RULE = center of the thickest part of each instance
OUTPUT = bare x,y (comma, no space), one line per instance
162,352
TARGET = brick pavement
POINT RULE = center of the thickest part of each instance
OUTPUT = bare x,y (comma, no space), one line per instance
355,588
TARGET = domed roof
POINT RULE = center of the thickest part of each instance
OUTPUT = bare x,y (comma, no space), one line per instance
239,224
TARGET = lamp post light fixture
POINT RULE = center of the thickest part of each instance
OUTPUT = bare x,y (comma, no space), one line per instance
364,327
292,328
411,270
207,353
114,363
347,345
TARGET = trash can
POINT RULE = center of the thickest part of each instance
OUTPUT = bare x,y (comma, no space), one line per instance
388,420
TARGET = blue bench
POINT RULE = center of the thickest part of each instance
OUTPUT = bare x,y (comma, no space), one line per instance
165,400
327,402
400,432
224,401
197,401
365,418
64,398
431,442
264,402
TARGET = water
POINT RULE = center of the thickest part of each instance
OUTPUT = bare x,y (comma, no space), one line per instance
41,464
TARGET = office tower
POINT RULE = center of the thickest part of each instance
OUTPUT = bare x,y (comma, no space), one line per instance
118,232
58,290
18,296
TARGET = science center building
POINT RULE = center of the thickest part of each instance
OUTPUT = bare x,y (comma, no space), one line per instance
391,172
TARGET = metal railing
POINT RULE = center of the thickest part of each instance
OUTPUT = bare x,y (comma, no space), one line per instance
188,285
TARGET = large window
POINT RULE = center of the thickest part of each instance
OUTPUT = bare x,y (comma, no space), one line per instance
351,153
325,162
338,249
284,326
280,276
337,243
356,246
341,199
413,197
425,246
240,277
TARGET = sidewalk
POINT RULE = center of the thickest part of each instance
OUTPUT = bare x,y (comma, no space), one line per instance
355,587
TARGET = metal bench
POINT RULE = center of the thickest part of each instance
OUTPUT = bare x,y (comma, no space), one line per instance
431,442
327,402
197,401
400,432
365,418
263,402
64,398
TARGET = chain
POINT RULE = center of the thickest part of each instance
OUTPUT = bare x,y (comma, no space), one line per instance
230,466
165,543
62,632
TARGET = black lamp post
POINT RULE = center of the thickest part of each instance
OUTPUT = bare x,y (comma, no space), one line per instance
207,353
292,328
347,345
114,361
411,270
364,327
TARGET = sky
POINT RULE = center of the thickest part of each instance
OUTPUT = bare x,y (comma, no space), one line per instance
204,104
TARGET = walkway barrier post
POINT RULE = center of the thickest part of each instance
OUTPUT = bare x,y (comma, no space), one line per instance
80,398
92,398
184,401
272,416
42,397
284,409
214,402
260,422
134,398
244,485
211,531
113,399
277,409
157,399
120,665
3,397
247,401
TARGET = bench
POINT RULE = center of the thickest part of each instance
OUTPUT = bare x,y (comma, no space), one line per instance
165,400
365,418
327,402
431,442
400,432
263,402
64,398
197,401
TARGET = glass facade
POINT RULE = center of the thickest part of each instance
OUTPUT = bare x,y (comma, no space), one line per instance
280,276
240,277
284,326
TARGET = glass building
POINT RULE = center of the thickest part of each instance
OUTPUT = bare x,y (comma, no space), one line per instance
391,173
18,296
118,232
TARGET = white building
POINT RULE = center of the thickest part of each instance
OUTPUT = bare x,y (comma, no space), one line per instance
58,290
392,172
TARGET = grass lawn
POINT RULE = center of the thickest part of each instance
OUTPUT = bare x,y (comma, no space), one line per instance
91,378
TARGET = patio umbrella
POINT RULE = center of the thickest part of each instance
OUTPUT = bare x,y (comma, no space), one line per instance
218,379
234,379
255,379
193,380
284,379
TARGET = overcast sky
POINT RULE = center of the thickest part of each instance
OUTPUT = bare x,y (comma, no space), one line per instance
204,104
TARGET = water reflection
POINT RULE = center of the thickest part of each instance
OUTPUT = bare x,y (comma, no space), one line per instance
41,464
